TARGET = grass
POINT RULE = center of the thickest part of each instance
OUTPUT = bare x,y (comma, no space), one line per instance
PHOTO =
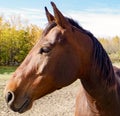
6,72
7,69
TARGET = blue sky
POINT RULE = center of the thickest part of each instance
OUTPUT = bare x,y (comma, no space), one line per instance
101,17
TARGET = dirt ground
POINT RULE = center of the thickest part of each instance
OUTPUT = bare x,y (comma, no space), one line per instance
58,103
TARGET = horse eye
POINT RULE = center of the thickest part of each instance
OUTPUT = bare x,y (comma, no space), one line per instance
44,50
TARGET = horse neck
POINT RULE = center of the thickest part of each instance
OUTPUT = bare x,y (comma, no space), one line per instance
100,84
101,67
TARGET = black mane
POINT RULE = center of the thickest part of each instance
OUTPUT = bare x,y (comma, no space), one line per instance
100,57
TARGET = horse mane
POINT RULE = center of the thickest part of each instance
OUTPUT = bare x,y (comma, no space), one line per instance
100,58
102,63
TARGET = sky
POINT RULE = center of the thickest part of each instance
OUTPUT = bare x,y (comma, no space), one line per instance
101,17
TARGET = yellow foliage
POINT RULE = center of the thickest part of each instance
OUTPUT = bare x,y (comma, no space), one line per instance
16,40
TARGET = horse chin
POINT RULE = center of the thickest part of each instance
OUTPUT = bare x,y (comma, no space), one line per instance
23,108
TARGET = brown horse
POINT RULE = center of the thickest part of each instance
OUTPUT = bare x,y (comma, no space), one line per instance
64,53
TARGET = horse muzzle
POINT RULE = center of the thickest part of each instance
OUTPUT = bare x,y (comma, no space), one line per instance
17,105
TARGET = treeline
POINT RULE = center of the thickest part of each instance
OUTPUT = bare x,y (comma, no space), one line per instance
16,40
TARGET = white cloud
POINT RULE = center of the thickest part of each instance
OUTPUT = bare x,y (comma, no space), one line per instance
100,24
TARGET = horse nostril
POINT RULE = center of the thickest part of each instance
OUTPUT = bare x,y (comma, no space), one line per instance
9,97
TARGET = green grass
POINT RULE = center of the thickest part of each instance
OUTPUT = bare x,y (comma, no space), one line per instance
7,69
6,72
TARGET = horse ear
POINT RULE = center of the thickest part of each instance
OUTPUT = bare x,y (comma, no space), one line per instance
59,18
49,16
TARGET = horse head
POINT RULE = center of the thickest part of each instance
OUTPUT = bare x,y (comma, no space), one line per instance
60,57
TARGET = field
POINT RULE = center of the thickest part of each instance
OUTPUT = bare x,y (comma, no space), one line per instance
59,103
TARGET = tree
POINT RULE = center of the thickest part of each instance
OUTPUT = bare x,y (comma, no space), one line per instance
15,43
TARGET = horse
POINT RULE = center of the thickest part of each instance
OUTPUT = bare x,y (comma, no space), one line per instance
64,53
